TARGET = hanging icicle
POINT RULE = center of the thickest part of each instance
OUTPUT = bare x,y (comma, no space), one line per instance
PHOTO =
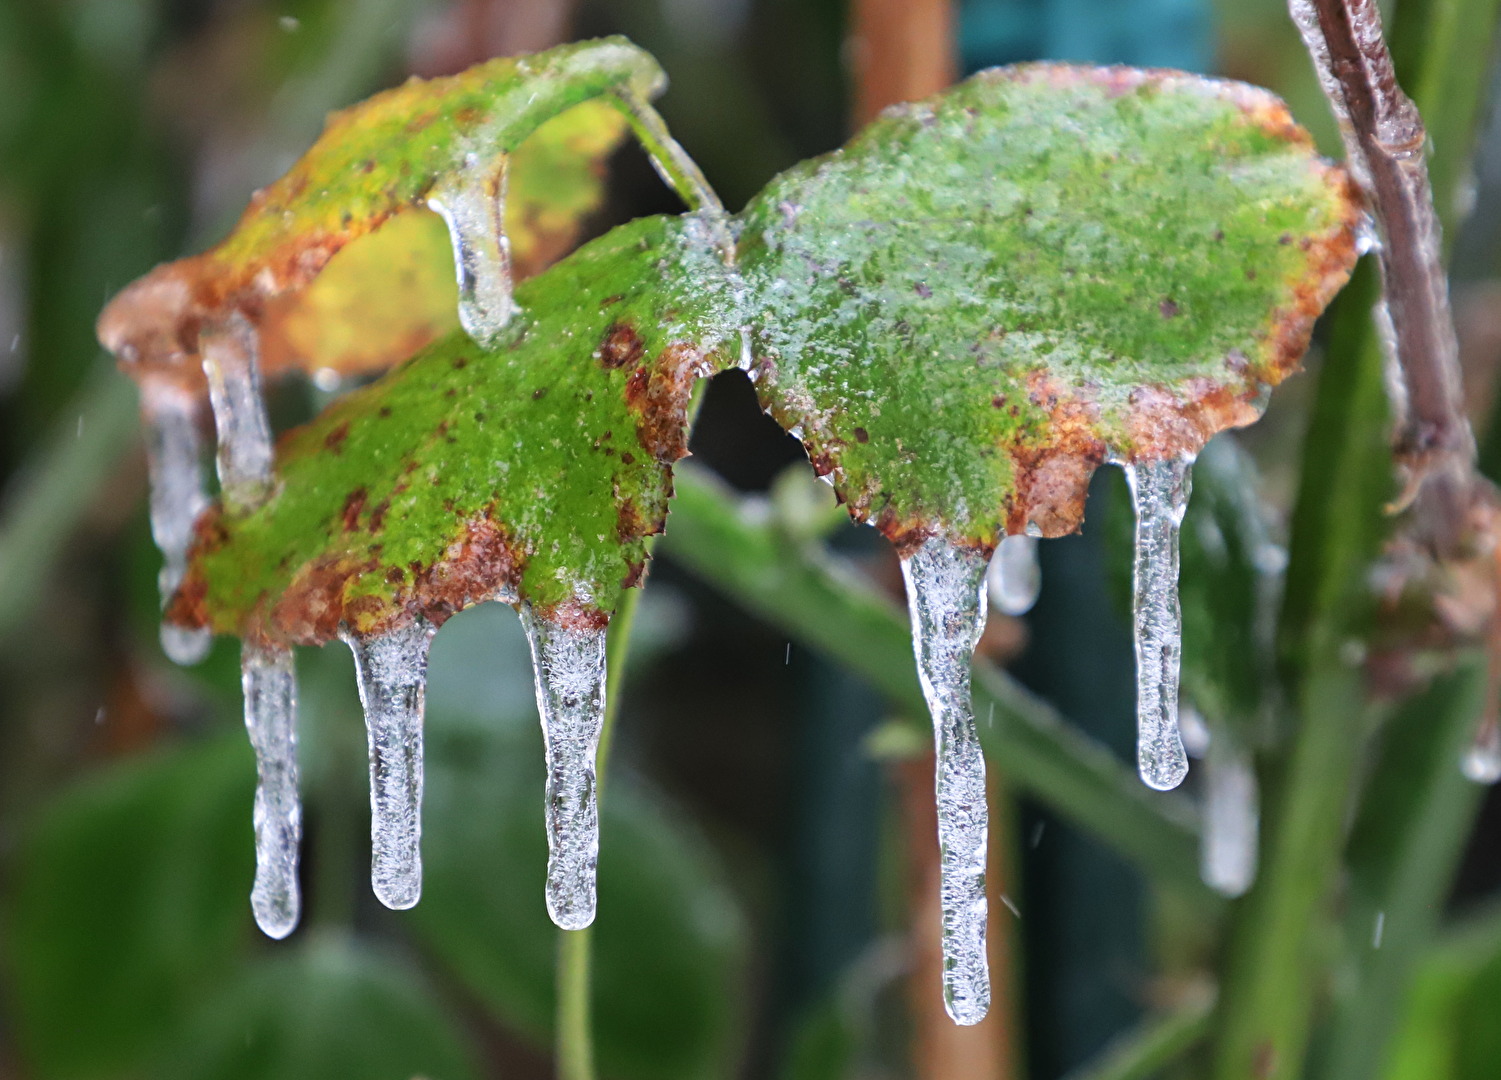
231,362
570,671
946,598
1159,490
392,673
174,460
1227,860
269,683
472,203
1015,580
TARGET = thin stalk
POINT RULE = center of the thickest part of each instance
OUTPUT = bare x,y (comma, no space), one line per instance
823,603
1143,1054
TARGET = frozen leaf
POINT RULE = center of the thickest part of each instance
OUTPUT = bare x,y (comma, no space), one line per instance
374,162
984,296
532,471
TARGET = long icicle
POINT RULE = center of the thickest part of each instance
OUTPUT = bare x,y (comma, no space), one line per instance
1159,490
174,452
946,598
472,203
570,670
269,683
231,362
392,672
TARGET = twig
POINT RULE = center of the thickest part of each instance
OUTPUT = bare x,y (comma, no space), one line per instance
1385,143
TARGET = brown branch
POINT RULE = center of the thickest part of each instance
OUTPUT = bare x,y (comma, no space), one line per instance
1385,143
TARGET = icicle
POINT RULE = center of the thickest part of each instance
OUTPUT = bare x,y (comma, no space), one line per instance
1482,761
677,170
1015,579
231,361
472,203
392,673
570,671
1160,492
270,687
1231,819
946,598
174,454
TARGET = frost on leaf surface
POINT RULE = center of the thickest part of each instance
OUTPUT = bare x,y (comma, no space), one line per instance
531,471
985,295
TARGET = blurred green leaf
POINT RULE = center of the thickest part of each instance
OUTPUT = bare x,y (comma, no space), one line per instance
328,1009
130,902
669,940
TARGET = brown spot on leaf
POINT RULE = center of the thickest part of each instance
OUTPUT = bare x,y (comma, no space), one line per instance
334,440
659,399
861,435
354,505
620,347
1168,308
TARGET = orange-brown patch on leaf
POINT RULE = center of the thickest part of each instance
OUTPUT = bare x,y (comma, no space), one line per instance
658,396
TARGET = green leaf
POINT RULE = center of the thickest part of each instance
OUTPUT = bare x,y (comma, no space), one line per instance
983,296
130,901
669,941
329,1008
377,159
535,470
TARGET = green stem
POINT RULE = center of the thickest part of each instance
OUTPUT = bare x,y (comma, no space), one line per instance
575,1024
1143,1054
806,593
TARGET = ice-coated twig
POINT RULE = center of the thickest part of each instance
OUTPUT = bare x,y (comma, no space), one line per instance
231,363
269,683
392,672
472,202
946,599
1385,143
1159,490
174,453
1015,579
569,663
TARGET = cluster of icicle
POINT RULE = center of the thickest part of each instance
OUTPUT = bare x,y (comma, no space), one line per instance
947,589
391,666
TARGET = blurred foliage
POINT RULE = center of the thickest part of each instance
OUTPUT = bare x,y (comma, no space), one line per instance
131,131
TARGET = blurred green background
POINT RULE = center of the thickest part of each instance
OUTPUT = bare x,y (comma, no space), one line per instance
754,907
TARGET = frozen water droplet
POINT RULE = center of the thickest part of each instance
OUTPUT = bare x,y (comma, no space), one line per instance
392,673
1367,239
472,203
1482,762
269,683
174,454
1231,819
946,599
231,362
570,671
1015,579
1160,492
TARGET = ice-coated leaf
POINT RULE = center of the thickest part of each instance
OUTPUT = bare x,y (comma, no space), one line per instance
549,118
531,471
985,295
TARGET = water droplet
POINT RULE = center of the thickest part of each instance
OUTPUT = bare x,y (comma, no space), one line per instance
174,453
392,673
946,599
471,201
1015,579
231,362
1482,761
269,682
570,672
1159,490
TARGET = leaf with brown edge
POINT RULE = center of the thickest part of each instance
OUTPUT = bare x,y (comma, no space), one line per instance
374,161
984,296
531,471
